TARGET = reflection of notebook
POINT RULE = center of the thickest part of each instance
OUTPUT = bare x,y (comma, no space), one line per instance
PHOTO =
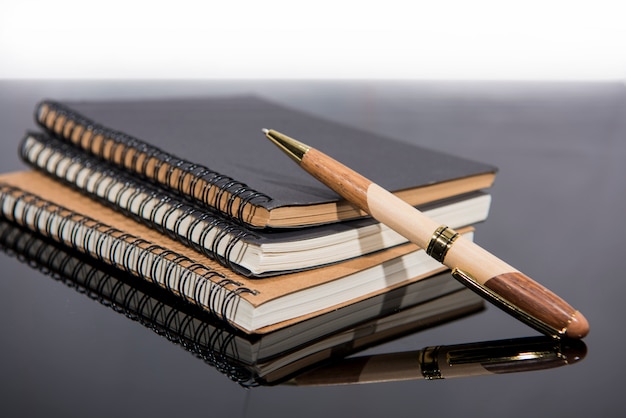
249,252
212,150
247,359
41,204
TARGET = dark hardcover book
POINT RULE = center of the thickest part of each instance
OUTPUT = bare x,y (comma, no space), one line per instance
211,150
251,252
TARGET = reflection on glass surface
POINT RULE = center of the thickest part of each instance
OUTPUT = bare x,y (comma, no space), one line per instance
281,357
444,362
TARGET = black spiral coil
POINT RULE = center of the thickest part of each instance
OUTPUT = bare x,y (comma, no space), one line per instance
197,283
180,323
209,188
217,238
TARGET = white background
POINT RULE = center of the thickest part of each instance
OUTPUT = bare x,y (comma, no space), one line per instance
274,39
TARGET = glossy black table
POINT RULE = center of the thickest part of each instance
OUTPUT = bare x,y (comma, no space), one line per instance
557,214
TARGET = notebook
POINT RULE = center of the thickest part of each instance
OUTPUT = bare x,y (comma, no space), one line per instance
249,360
212,150
253,253
45,206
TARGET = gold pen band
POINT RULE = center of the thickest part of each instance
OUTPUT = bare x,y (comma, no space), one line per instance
440,243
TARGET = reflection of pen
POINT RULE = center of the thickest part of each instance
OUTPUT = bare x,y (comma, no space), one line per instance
478,269
444,362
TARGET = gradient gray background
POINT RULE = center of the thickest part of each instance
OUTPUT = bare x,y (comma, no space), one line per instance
557,214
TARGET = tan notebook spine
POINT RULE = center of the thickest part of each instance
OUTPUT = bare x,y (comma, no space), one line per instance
213,291
207,187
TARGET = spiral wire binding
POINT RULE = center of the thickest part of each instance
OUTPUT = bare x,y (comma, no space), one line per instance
212,342
197,283
133,199
210,188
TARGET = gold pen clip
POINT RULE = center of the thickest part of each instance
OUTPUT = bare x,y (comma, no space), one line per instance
505,305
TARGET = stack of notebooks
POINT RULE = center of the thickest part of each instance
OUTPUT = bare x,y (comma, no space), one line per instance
188,195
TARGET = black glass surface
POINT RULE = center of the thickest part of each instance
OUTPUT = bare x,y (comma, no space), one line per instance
557,214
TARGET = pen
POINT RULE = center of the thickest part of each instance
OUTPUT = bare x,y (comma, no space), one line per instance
486,274
446,362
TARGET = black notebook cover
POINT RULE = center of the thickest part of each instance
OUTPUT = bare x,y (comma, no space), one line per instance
223,135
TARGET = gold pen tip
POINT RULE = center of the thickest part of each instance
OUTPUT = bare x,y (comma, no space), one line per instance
293,148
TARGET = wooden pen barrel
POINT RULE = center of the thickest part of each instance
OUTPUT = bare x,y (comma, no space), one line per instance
520,295
519,290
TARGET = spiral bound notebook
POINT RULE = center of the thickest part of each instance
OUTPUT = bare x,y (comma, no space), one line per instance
248,360
212,150
43,205
253,253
